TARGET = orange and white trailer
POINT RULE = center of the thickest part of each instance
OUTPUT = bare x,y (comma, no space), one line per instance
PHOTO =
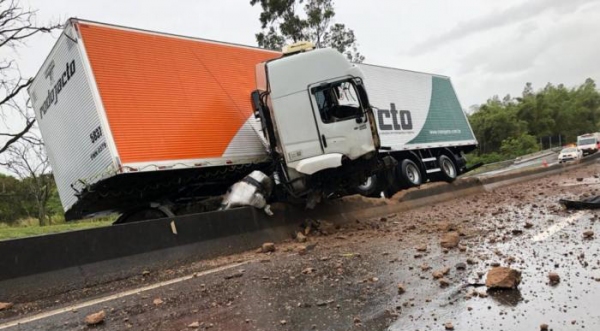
131,117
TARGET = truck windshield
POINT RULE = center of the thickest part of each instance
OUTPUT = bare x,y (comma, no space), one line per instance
587,141
338,102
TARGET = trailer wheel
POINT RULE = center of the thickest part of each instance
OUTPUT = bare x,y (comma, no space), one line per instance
410,173
448,168
140,215
370,188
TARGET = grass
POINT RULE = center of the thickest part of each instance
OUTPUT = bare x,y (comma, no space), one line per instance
26,229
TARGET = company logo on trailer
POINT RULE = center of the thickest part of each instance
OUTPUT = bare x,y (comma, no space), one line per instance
63,79
392,119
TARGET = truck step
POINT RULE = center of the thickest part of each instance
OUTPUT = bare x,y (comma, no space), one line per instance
428,159
433,170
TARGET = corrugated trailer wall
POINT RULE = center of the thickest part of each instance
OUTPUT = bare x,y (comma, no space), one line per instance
170,98
68,115
416,110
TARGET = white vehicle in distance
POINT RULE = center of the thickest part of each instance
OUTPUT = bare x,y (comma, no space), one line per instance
588,143
570,154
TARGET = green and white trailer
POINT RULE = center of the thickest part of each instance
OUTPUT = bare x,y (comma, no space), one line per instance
423,129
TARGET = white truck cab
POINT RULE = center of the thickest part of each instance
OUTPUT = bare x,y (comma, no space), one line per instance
315,113
588,143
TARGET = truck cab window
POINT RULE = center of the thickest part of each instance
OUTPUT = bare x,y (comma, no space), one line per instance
338,102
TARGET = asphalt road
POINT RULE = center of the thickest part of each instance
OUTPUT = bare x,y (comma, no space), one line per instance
347,278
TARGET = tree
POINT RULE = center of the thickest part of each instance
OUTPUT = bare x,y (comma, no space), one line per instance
282,23
16,26
29,162
513,126
13,200
520,145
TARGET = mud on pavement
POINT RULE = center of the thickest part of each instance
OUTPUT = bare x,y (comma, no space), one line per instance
388,273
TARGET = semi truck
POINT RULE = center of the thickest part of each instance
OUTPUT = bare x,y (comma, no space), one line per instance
153,125
589,143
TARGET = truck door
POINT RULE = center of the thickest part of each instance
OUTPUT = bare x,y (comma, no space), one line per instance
341,121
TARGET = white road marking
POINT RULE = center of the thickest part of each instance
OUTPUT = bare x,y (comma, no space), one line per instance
115,296
557,227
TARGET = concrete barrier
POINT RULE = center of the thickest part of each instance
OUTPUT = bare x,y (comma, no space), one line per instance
39,266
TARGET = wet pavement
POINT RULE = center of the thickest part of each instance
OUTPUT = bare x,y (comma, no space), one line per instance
348,278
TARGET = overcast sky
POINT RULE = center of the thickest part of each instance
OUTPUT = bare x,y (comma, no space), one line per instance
487,47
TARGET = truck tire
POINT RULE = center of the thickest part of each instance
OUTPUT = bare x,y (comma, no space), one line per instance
448,168
410,174
370,188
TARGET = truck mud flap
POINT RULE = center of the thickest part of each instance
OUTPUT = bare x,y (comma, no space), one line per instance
471,168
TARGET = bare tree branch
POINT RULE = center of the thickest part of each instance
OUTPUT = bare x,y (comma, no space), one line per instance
15,91
17,136
17,24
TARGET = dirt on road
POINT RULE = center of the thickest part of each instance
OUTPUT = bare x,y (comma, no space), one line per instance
424,269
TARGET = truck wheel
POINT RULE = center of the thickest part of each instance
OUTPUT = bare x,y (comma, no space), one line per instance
370,188
448,168
410,173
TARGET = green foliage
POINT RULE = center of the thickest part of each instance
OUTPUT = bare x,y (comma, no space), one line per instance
513,126
521,145
17,201
283,22
473,158
28,229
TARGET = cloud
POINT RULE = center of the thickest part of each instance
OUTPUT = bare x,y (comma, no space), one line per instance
509,16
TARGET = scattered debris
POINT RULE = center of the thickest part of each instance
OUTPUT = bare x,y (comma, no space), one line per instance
449,326
236,274
503,278
308,271
589,234
5,305
437,274
301,250
157,302
145,273
450,240
444,282
422,248
96,318
194,325
356,320
401,289
528,225
268,247
554,278
300,237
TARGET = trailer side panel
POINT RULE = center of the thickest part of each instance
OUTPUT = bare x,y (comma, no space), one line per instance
67,113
